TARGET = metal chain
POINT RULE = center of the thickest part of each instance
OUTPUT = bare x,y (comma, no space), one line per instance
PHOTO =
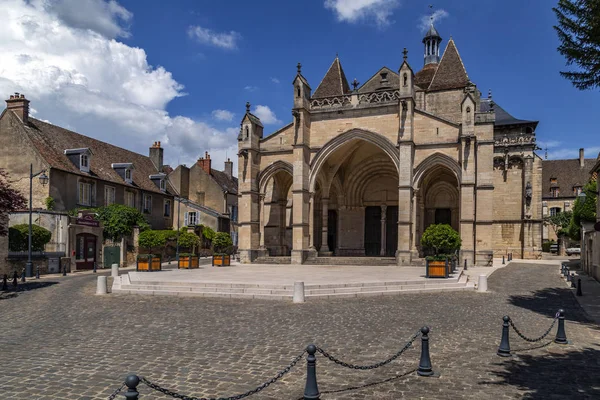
536,339
116,392
237,397
372,366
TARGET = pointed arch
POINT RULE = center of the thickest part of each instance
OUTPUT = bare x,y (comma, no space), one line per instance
268,172
354,134
436,160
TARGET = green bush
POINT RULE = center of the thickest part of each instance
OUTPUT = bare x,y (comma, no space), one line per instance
208,233
222,244
189,240
50,203
118,220
546,246
150,239
441,238
18,237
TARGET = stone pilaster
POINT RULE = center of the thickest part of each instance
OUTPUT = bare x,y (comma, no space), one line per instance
383,232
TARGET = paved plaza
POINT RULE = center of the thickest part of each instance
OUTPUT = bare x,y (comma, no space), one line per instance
60,341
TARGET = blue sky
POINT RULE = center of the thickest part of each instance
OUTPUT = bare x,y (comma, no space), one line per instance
191,65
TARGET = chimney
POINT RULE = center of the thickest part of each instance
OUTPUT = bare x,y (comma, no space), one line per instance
19,105
581,159
204,162
156,156
229,168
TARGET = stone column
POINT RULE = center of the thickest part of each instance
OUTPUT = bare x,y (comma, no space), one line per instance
383,221
262,221
325,215
311,221
415,226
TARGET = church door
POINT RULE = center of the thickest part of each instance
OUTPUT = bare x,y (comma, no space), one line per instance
332,230
443,216
372,231
391,231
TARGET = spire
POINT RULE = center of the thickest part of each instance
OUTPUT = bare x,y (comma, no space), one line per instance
432,42
334,83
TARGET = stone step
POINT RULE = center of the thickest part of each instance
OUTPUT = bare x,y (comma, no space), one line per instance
273,260
375,261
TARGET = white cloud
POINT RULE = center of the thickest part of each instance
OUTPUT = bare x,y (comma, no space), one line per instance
356,10
427,20
275,80
223,115
86,81
562,153
105,18
251,88
266,115
224,40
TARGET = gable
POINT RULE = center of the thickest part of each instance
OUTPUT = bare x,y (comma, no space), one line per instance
374,82
450,73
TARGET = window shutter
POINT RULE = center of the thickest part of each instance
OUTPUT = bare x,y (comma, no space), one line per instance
185,218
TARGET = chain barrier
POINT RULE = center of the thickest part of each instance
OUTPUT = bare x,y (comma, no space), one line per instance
536,339
237,397
372,366
116,392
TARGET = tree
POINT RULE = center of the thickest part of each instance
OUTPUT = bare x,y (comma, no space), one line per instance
559,222
442,238
189,240
10,200
583,211
151,240
222,243
578,30
18,237
119,220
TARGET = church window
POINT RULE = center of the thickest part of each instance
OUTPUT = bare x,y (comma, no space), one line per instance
247,132
298,91
405,79
468,115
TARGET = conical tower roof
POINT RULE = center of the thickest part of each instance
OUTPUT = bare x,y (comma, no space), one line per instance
334,83
431,33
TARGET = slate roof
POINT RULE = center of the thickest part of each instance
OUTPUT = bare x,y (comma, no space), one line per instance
432,32
502,116
568,174
227,184
424,77
450,73
51,141
334,83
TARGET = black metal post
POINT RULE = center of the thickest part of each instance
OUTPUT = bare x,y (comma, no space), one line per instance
64,269
561,336
567,272
311,390
15,279
568,276
37,272
579,293
504,349
573,280
503,260
5,282
132,382
465,268
178,228
29,264
23,276
425,362
95,267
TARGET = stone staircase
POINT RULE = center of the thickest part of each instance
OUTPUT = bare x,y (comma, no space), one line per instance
148,286
273,260
351,261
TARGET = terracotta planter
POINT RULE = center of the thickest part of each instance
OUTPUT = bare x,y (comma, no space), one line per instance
188,262
436,269
221,261
149,264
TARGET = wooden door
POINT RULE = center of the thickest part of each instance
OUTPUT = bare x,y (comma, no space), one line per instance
372,230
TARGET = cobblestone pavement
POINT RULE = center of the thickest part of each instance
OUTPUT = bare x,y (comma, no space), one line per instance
63,342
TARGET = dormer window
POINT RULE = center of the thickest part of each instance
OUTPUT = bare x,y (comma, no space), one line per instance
163,185
80,158
160,180
125,171
128,175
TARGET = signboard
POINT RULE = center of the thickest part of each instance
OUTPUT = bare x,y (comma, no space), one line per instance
88,220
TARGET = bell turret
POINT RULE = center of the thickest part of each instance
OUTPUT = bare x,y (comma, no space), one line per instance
432,42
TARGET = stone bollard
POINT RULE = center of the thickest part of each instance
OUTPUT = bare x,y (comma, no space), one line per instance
298,292
504,348
568,276
15,278
23,276
561,336
132,382
482,284
64,269
425,368
114,270
5,282
579,292
465,268
573,280
101,285
311,389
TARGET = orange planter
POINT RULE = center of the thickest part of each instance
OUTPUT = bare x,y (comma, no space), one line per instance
188,262
437,269
149,264
221,261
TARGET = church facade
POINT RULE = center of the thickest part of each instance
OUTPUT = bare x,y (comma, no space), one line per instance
363,171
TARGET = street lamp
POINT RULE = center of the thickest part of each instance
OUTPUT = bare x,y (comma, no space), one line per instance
180,200
43,180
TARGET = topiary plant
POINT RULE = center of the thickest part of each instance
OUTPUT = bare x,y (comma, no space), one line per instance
441,238
18,237
222,244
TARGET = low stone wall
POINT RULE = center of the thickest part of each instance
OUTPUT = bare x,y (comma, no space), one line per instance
4,267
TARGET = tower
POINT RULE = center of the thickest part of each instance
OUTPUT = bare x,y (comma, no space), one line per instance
432,42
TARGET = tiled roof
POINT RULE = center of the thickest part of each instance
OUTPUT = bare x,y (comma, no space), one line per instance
568,174
424,77
51,141
334,83
451,73
227,184
502,116
374,82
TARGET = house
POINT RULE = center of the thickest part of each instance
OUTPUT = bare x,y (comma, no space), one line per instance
210,196
83,172
590,235
562,181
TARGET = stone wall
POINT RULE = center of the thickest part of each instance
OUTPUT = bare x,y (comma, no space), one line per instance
56,222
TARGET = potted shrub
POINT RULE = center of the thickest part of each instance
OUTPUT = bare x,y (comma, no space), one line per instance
444,241
222,249
190,241
150,240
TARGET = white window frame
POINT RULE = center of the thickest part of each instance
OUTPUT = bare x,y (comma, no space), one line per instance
167,208
84,166
108,198
128,175
81,194
191,218
163,185
147,204
129,195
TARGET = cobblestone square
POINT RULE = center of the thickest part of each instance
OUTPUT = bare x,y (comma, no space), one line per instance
60,341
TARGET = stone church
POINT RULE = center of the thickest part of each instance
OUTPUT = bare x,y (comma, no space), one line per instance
363,171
